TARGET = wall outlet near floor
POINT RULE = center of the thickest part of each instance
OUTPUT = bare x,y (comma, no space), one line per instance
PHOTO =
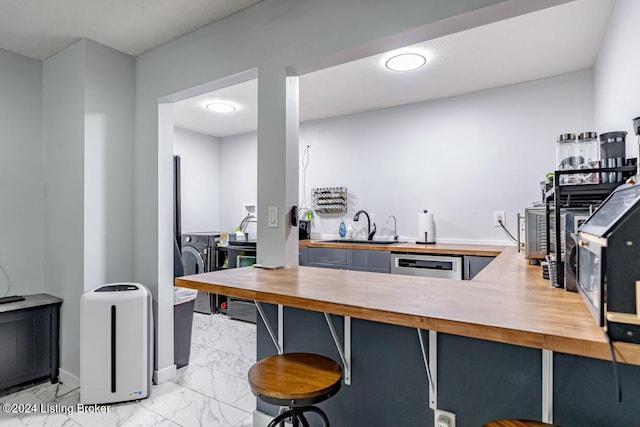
498,217
444,418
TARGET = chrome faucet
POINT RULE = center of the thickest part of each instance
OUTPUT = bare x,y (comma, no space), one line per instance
370,232
395,232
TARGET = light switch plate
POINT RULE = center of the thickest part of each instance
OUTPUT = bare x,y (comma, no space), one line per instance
273,217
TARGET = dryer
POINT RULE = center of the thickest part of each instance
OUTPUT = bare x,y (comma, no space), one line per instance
198,256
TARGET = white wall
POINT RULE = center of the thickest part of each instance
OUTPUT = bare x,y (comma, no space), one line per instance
617,71
88,171
63,140
108,170
270,36
461,158
239,178
21,196
200,180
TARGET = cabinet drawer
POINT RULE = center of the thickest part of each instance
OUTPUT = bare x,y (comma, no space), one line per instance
330,256
302,255
373,259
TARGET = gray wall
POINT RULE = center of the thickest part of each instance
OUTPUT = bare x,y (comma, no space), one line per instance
200,180
271,35
239,177
616,74
450,156
108,169
63,140
21,197
88,171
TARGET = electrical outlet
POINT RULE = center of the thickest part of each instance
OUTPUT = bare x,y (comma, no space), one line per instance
444,418
498,217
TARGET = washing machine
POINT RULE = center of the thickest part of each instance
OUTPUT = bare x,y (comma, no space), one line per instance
198,256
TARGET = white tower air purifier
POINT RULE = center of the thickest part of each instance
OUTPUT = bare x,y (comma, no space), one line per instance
116,343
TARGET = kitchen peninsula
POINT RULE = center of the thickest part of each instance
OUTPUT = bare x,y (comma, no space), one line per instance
490,333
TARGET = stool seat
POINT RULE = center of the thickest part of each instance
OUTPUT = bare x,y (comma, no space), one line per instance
517,423
295,379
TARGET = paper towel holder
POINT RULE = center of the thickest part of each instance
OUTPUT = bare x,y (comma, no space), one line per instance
426,239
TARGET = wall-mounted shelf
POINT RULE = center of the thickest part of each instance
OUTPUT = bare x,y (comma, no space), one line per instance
329,200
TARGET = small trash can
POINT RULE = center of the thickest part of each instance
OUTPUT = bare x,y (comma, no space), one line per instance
183,300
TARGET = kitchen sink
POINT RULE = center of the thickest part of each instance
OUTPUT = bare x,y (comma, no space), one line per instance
368,242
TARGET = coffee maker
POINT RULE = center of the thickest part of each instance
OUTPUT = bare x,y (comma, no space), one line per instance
304,229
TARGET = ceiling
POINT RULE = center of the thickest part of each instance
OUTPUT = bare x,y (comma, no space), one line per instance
549,42
39,29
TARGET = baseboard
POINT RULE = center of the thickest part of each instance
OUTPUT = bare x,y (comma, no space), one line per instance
68,379
164,375
260,419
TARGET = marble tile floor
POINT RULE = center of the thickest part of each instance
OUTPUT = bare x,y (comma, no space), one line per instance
212,391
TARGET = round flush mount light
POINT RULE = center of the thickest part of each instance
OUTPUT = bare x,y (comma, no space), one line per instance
221,107
405,62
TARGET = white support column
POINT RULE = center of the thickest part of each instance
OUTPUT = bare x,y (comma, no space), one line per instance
547,386
278,145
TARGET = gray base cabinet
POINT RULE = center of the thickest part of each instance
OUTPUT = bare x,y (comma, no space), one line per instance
473,264
29,333
346,259
373,261
478,380
302,255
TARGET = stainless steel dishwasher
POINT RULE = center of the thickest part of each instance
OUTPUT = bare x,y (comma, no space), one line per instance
446,267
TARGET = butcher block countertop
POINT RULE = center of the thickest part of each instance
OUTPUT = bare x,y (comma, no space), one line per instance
431,248
508,301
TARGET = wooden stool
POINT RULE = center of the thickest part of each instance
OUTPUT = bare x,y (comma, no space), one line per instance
296,380
517,423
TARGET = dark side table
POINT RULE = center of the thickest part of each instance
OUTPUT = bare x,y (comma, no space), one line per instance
29,340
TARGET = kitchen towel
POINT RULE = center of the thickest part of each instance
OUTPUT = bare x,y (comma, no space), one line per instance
426,228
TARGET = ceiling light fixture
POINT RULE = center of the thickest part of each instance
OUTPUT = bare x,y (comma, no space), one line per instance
405,62
221,107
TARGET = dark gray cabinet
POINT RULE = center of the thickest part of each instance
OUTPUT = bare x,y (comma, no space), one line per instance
373,261
473,264
327,257
29,332
347,259
302,255
364,260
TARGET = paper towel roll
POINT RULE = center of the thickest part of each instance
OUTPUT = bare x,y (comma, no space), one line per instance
426,228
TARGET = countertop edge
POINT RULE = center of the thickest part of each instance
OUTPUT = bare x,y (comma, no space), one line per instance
430,248
495,275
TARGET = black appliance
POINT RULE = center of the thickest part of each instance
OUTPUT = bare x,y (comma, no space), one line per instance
198,256
241,253
304,229
608,267
572,220
177,212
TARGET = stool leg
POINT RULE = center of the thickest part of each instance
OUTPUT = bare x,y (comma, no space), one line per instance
301,417
280,419
319,412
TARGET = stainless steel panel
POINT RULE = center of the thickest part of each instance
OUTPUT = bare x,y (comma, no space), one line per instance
446,267
536,233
